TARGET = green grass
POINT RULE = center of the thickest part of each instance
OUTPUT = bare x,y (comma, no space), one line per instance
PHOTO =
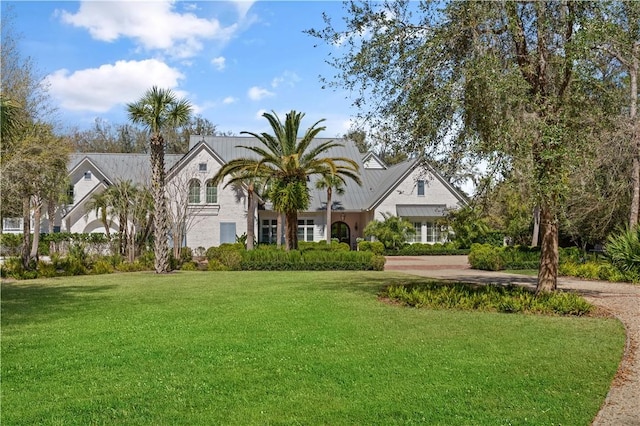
287,348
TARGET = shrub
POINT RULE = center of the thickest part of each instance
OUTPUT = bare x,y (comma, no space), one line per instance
393,232
230,255
102,266
373,246
506,299
486,257
186,254
623,250
216,265
311,260
189,266
135,266
10,244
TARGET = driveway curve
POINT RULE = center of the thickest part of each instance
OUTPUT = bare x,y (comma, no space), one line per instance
622,404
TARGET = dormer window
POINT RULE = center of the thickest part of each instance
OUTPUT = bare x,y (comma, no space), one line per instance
202,167
87,175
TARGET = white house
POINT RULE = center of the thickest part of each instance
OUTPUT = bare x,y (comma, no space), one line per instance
215,215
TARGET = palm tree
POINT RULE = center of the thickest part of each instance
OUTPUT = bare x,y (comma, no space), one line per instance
99,203
330,182
159,110
285,161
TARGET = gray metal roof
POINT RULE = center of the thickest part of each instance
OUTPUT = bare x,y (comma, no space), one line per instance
376,183
424,210
122,166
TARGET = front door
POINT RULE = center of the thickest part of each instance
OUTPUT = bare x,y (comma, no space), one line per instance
341,231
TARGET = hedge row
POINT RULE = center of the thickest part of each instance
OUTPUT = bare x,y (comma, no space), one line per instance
234,257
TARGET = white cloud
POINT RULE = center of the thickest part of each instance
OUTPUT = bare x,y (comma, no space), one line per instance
229,100
219,62
100,89
243,6
257,93
154,25
289,78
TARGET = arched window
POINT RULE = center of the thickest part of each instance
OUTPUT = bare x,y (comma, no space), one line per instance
194,192
212,193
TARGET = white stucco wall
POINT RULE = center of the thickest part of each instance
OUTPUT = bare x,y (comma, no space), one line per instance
203,225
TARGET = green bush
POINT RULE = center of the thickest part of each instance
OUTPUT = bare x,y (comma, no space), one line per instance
216,265
425,249
102,266
10,244
373,246
322,245
135,266
486,257
189,266
623,250
310,260
393,232
229,255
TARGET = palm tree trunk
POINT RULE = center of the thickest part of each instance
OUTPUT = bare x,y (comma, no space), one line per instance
37,218
548,270
291,227
51,214
160,217
251,228
327,230
635,137
279,230
26,231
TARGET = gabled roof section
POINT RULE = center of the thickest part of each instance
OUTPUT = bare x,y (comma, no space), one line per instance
372,161
195,150
121,166
83,200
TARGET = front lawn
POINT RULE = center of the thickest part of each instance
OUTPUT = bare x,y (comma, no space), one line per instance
287,348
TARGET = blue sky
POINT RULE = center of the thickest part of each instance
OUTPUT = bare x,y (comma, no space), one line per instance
233,60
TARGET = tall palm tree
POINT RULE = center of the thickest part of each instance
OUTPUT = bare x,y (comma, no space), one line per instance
284,160
330,182
159,110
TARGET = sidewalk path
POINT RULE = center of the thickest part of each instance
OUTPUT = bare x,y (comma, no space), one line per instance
622,405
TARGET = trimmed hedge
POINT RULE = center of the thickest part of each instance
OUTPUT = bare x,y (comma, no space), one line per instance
310,260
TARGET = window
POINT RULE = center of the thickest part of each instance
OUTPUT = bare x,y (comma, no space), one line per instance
12,224
433,232
269,231
417,237
202,167
194,192
212,193
421,188
305,230
70,194
87,175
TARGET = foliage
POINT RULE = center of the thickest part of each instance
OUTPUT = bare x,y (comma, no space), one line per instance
469,226
393,232
311,260
323,246
374,246
228,255
492,298
424,249
623,249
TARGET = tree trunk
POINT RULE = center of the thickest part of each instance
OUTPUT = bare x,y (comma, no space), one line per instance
548,270
26,231
291,228
251,213
327,231
536,227
635,136
51,214
160,217
279,230
37,218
